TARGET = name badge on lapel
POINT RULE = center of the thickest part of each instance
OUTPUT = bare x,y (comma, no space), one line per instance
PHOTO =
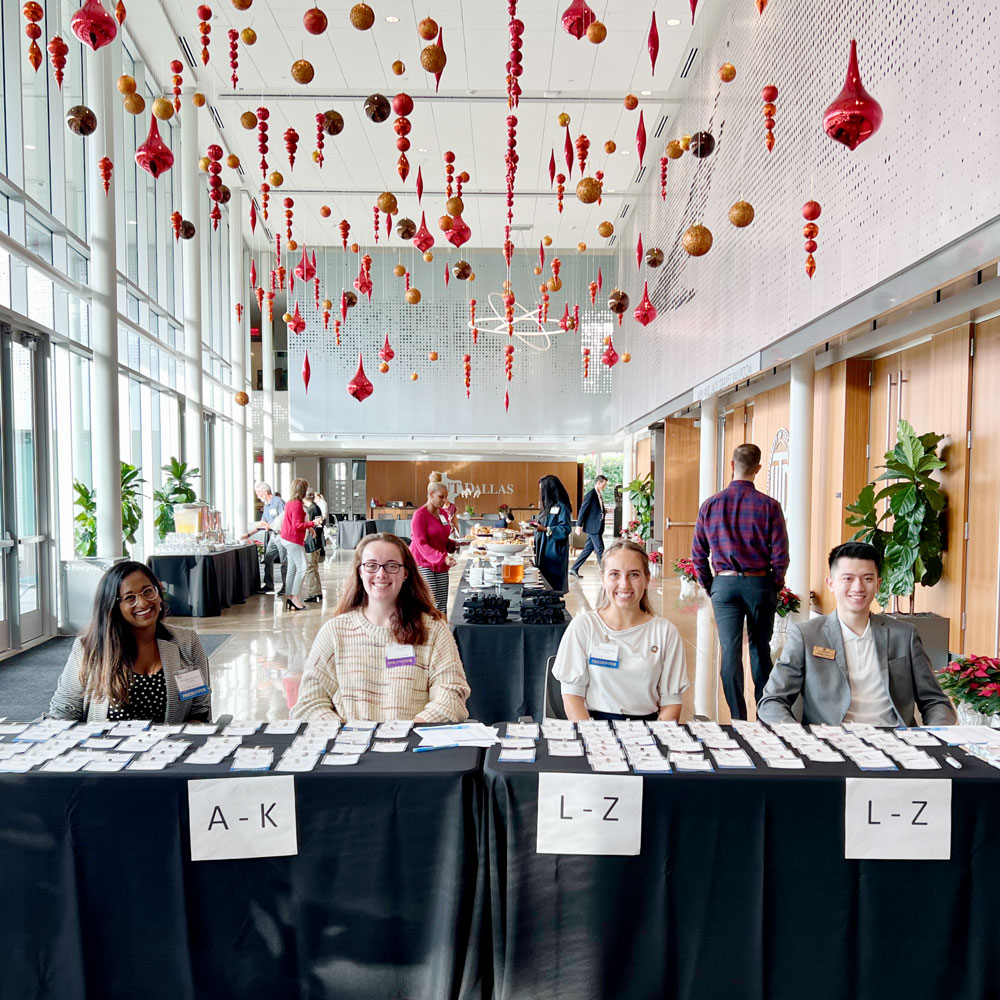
554,510
604,654
190,684
398,655
823,653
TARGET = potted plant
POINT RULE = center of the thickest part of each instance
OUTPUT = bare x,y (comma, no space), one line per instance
640,492
912,546
684,568
788,604
973,684
131,506
655,561
85,532
176,489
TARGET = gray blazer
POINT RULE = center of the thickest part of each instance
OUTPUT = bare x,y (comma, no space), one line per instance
182,651
824,686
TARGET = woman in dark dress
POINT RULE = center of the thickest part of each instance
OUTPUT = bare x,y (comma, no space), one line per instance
552,530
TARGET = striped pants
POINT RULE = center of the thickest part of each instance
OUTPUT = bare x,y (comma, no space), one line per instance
437,583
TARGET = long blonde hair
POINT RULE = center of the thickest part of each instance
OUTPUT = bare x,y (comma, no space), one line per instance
625,545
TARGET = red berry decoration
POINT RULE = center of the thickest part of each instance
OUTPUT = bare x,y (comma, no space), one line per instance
177,68
320,139
291,145
810,212
33,13
262,116
205,30
769,95
233,55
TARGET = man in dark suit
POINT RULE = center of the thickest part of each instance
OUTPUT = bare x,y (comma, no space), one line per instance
591,520
853,666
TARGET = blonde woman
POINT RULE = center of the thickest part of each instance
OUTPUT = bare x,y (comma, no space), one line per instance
431,547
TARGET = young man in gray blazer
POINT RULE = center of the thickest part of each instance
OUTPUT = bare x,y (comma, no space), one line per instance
853,666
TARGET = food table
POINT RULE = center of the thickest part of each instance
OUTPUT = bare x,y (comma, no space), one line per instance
741,892
504,663
101,898
202,584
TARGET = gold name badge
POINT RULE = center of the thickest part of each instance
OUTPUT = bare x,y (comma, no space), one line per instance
823,653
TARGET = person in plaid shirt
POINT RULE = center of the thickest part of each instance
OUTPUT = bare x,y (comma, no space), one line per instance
744,530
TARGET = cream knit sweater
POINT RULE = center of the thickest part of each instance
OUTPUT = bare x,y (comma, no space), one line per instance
345,676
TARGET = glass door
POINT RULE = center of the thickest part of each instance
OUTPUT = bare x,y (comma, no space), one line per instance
24,539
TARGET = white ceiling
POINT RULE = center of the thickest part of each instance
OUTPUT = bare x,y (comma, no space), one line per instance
468,116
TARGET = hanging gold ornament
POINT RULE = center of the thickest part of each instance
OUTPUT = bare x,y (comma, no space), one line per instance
302,71
674,150
248,120
606,229
362,16
387,204
249,36
412,295
741,214
588,190
697,240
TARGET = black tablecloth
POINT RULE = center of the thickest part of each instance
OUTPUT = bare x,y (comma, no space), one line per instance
102,902
504,664
202,585
742,892
349,533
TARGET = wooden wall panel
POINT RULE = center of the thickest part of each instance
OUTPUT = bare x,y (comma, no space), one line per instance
643,457
734,433
408,480
682,448
984,496
770,414
935,397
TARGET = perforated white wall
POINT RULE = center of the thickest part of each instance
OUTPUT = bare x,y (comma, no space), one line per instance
548,394
925,179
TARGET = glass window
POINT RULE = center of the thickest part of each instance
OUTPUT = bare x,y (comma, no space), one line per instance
130,171
75,146
35,129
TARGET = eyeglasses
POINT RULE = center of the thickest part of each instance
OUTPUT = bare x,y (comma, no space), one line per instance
392,567
148,594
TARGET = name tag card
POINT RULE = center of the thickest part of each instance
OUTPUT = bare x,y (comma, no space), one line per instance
242,818
589,814
604,654
398,655
190,684
898,819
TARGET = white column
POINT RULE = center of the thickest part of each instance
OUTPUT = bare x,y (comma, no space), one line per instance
628,474
238,283
187,160
800,445
267,371
709,462
106,450
706,674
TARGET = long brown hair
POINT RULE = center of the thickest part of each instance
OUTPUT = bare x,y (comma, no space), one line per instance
109,646
412,603
625,545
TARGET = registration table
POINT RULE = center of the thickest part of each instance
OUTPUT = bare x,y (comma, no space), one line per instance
101,898
202,585
505,663
742,892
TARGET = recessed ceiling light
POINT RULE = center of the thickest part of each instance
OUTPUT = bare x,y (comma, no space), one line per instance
26,146
626,152
645,93
673,22
421,150
392,20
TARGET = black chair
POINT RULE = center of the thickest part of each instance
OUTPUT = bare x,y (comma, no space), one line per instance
553,703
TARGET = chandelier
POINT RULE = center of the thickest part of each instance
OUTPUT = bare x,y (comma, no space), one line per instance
527,327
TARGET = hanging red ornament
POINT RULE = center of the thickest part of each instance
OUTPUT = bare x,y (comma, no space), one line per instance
769,95
403,167
576,317
291,145
33,13
386,353
93,25
120,12
645,311
205,30
760,4
153,155
253,273
360,387
259,293
593,292
345,232
467,363
291,277
552,168
586,362
336,331
262,116
810,212
320,138
600,280
58,50
423,240
375,210
305,269
459,233
472,320
664,161
234,59
653,44
582,148
508,361
277,253
175,221
564,320
693,4
239,312
343,305
577,17
560,190
568,153
638,252
270,307
296,324
640,139
306,371
610,355
177,68
265,197
253,215
854,114
104,165
289,204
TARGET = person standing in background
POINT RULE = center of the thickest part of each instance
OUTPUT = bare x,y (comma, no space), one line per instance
324,510
293,532
744,530
431,547
590,519
274,551
552,530
449,509
312,589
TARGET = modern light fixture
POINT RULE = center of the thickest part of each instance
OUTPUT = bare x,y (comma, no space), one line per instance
645,93
626,152
392,19
26,146
526,327
673,22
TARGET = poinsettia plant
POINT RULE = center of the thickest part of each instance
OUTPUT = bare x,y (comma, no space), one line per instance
973,680
684,568
655,557
788,602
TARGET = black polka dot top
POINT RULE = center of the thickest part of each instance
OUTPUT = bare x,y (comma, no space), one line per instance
147,699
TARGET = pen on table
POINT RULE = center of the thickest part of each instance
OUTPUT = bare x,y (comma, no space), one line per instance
953,762
440,746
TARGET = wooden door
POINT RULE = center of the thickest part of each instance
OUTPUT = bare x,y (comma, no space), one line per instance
682,449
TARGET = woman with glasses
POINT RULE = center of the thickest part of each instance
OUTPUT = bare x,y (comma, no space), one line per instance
431,546
387,652
128,664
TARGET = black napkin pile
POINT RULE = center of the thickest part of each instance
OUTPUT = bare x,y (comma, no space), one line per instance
542,607
485,609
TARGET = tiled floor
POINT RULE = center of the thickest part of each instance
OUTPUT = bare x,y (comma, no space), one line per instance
255,674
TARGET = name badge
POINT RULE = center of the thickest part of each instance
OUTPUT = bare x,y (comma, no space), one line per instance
823,653
604,654
554,510
190,684
443,519
397,655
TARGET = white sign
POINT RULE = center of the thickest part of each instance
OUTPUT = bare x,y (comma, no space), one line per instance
898,819
734,373
242,818
589,814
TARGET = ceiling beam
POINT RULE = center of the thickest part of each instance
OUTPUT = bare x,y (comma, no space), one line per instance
461,97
